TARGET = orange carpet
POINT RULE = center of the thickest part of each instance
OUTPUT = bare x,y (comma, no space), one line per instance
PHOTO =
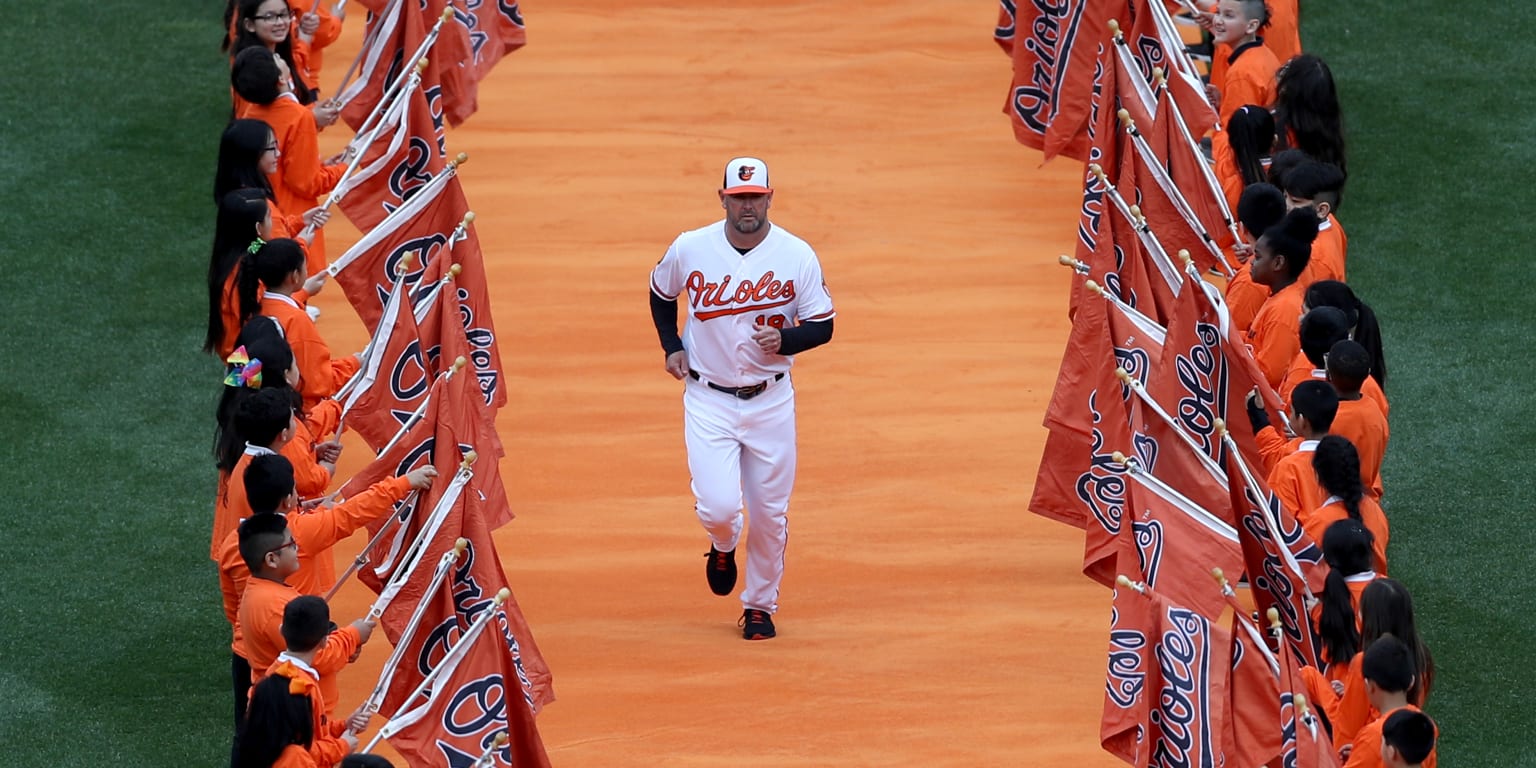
926,617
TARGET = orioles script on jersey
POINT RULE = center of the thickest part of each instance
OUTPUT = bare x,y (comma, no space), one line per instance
750,296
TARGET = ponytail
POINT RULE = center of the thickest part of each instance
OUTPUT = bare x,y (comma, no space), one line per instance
267,264
1347,548
1337,465
1368,335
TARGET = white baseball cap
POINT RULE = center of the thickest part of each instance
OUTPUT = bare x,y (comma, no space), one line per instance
746,176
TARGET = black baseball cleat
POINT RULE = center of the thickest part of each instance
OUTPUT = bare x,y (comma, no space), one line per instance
721,571
756,625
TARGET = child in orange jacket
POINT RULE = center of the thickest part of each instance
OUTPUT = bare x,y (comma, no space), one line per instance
306,623
1248,76
1337,466
1388,671
1385,609
1360,419
1408,739
1260,207
1280,257
1364,330
301,176
1289,463
265,352
278,267
269,485
1318,186
1348,549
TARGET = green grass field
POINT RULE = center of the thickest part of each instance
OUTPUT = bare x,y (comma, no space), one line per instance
112,648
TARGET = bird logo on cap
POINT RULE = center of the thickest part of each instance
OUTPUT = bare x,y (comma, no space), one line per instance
744,172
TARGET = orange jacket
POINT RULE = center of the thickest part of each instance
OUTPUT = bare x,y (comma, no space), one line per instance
294,756
319,375
261,637
1339,671
1355,710
1301,370
1249,78
316,532
1366,752
300,176
1283,35
1295,484
1274,336
327,747
328,32
1328,254
1244,299
1274,446
1371,516
1363,423
310,478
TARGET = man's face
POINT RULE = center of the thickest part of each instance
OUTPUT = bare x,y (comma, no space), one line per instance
746,213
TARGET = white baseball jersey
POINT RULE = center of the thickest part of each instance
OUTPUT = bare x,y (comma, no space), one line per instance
730,296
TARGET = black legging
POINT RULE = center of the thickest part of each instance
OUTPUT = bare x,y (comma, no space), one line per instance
240,680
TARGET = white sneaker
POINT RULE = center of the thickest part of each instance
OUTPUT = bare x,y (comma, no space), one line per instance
313,312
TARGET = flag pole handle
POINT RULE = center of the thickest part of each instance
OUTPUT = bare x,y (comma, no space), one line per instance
469,636
387,672
362,558
355,159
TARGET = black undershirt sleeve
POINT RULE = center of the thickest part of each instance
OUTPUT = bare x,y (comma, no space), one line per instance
807,335
664,315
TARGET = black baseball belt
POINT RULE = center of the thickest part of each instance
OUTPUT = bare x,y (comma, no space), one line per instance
743,393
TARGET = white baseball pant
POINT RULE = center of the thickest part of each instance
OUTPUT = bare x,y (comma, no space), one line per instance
744,450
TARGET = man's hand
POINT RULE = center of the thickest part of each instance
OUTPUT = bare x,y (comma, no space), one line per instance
421,478
768,339
677,364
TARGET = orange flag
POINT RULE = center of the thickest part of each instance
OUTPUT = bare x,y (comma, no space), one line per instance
393,380
1284,566
407,153
475,696
1107,241
1157,45
1166,683
1053,49
1172,544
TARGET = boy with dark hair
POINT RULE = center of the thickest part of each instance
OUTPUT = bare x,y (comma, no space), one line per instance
1320,328
1388,670
1249,72
1280,256
1359,419
271,552
1283,162
306,625
269,485
1260,207
1289,464
1407,739
1318,186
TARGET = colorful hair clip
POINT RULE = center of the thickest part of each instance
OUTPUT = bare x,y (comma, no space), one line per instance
243,371
256,245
